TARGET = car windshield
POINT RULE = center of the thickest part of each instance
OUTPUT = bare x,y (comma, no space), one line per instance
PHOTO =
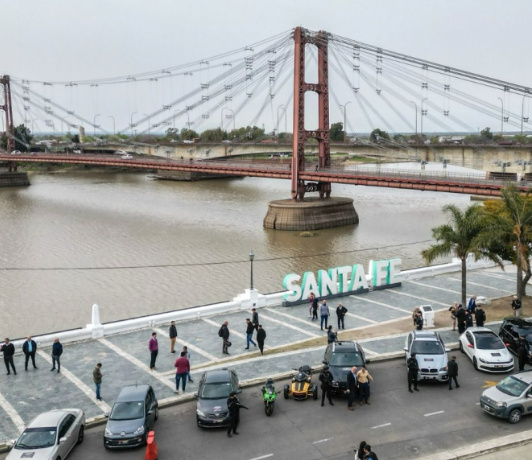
127,410
216,390
512,386
346,359
487,341
427,347
37,438
526,333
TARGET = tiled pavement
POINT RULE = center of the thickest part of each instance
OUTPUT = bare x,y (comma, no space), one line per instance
125,357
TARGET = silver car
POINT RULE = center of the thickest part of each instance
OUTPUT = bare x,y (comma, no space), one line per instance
50,435
431,354
510,399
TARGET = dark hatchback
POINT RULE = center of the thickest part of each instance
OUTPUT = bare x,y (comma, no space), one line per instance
213,390
510,331
133,415
341,357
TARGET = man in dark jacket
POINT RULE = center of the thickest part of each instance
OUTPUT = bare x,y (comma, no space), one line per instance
249,333
97,378
522,352
472,305
261,336
452,372
468,319
172,333
224,334
460,319
57,351
233,404
340,313
29,347
352,387
8,349
315,303
419,322
326,380
516,306
480,316
331,335
369,454
255,318
413,370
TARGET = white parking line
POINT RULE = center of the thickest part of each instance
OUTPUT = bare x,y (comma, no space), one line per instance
435,287
81,385
434,413
322,440
498,276
188,345
380,426
417,297
12,413
362,318
482,285
264,456
295,318
380,303
295,328
231,331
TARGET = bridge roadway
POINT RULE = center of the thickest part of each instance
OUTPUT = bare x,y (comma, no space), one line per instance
425,180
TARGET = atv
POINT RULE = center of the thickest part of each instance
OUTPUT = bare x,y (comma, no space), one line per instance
301,386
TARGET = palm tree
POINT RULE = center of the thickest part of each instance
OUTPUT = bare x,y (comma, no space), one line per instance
458,237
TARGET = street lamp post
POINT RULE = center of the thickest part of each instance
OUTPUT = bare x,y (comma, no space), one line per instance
251,257
94,122
523,113
345,120
502,115
412,102
422,114
114,124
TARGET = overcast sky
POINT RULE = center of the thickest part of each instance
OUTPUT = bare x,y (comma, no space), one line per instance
72,40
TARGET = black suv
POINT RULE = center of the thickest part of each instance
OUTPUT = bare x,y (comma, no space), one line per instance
511,329
341,357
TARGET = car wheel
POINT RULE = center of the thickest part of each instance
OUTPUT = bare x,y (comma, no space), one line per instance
475,364
81,435
156,415
461,347
515,416
315,392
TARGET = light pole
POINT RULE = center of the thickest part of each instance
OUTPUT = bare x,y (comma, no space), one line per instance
345,120
114,124
132,126
251,257
422,115
94,122
523,114
412,102
502,115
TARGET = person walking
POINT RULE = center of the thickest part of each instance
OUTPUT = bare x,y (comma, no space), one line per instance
182,366
472,305
97,377
315,304
522,352
261,336
224,334
249,334
29,348
331,335
419,321
234,406
480,316
57,351
516,306
452,372
326,380
453,309
340,313
153,346
172,333
311,303
352,387
324,314
187,355
460,319
413,370
255,318
8,349
364,377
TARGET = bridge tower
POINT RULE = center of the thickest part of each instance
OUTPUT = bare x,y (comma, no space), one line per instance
301,213
8,109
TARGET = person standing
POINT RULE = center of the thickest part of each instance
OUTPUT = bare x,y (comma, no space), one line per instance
472,305
249,334
460,319
468,319
324,314
522,352
261,336
419,321
315,304
326,380
97,377
414,315
224,334
480,316
352,387
233,404
311,303
182,366
453,309
363,384
187,355
331,335
8,349
153,346
29,348
255,318
516,306
340,313
57,351
413,370
172,333
369,454
452,372
360,452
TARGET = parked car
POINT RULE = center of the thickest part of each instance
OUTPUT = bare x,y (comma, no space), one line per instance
121,152
510,399
16,152
431,354
511,329
127,156
133,415
486,350
77,151
50,435
213,390
341,357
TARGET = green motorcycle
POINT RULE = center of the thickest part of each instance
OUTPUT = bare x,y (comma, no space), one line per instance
269,395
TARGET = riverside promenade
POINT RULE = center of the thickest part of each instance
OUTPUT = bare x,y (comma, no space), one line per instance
292,340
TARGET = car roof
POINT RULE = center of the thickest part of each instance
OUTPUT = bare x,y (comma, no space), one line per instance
524,376
48,419
349,345
523,323
425,335
480,330
133,393
218,375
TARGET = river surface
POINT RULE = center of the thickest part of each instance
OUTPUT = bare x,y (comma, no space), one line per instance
136,246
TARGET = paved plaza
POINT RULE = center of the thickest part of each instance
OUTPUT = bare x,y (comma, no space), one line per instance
125,357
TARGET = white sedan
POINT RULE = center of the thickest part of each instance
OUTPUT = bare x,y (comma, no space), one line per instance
486,349
127,156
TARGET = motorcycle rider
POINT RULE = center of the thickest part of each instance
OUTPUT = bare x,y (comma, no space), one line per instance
413,369
326,380
233,404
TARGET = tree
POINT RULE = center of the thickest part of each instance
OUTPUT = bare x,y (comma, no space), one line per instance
23,138
213,135
336,132
458,237
486,134
188,134
172,134
377,134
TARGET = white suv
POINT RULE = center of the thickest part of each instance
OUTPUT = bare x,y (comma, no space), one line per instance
431,354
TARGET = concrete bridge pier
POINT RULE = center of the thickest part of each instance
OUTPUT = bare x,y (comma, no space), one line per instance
13,179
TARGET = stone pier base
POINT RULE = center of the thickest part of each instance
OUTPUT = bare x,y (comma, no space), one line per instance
311,214
13,179
188,175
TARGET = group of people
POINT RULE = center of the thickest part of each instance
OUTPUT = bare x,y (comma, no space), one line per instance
252,325
322,308
412,365
358,385
29,348
463,317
